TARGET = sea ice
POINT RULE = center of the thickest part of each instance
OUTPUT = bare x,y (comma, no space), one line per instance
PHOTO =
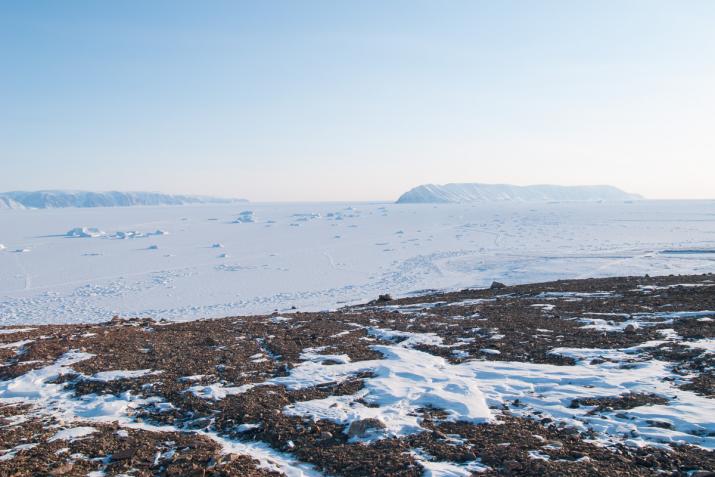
442,247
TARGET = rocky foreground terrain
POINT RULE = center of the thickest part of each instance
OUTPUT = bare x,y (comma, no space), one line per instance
583,377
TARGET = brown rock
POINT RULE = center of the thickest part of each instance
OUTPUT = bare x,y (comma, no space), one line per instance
362,427
63,469
124,454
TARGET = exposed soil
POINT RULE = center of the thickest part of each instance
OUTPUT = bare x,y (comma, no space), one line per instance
515,323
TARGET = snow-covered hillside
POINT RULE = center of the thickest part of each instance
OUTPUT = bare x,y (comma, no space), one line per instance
50,199
458,193
8,203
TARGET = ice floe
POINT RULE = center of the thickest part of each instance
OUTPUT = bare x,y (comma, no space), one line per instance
85,232
245,217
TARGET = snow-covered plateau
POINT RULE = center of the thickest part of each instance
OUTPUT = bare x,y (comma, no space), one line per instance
475,192
86,265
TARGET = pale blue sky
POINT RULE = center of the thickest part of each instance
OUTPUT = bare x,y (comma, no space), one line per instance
359,100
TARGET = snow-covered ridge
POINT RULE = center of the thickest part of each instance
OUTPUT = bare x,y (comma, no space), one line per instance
48,199
458,193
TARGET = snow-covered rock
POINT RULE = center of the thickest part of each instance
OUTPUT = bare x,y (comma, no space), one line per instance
458,193
46,199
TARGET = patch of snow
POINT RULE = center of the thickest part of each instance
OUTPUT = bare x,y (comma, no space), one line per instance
279,319
11,453
16,344
121,374
447,469
73,433
267,457
247,427
9,331
706,344
489,351
547,391
565,294
195,377
404,381
314,355
406,338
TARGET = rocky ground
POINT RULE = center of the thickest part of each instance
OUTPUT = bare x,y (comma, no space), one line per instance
627,387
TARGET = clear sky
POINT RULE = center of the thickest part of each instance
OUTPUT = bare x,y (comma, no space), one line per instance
361,100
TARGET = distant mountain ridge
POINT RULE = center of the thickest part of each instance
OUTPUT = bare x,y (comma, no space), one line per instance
475,192
48,199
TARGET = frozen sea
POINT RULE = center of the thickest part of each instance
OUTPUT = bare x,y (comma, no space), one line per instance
219,260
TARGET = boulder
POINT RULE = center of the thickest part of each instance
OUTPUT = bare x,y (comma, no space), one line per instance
362,427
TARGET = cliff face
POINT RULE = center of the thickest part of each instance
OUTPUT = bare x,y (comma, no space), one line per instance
47,199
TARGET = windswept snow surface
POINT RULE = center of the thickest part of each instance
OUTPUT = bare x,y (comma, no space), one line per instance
323,256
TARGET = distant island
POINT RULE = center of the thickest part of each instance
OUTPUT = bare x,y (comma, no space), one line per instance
474,192
50,199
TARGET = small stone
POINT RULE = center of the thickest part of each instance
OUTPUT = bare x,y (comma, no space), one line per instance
438,434
497,285
125,454
63,469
